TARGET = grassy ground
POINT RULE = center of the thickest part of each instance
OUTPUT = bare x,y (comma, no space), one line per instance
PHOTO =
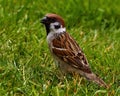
27,69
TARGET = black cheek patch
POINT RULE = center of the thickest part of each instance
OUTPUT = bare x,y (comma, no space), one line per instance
57,26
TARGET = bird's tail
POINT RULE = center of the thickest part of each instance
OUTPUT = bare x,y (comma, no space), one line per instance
93,77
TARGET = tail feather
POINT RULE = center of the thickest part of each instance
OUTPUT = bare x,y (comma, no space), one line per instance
96,79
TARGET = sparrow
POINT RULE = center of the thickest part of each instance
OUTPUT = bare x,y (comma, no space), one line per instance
66,51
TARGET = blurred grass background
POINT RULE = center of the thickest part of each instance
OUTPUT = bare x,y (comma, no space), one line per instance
27,69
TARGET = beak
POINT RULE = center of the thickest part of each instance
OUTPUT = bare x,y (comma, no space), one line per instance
44,20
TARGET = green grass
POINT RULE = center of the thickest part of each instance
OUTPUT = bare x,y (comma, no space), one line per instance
26,66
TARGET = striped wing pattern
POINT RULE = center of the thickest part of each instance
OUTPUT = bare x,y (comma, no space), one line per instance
66,49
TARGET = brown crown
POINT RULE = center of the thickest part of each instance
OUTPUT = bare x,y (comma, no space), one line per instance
57,17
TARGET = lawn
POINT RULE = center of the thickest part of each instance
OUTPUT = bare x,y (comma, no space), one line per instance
26,66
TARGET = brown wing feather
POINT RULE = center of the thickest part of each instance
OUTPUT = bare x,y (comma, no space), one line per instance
65,48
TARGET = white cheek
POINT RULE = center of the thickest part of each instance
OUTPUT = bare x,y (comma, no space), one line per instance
54,30
55,23
61,30
52,25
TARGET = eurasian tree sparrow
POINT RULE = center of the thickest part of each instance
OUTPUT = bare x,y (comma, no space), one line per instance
69,56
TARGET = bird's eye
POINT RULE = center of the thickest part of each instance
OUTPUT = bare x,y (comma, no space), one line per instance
51,19
57,26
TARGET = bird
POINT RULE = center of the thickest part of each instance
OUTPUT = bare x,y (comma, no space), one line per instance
65,50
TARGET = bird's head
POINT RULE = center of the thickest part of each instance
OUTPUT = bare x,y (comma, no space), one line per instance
53,23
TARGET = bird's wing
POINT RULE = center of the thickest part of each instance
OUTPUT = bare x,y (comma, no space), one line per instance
66,49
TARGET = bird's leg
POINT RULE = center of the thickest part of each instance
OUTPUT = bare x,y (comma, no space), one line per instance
76,78
60,74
